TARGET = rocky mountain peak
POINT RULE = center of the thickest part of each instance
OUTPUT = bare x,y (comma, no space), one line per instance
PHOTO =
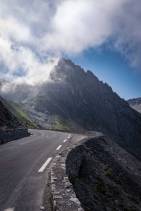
68,72
81,101
79,97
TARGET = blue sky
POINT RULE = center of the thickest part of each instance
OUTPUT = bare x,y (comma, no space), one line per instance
103,36
112,67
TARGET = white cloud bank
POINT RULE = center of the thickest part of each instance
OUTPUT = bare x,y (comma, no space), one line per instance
32,29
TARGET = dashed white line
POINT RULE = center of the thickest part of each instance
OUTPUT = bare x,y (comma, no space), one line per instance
69,136
9,209
45,165
65,140
58,147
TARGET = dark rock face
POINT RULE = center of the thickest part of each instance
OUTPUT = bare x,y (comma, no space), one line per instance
78,96
104,176
10,127
7,119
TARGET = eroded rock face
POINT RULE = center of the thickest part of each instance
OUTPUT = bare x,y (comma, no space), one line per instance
104,176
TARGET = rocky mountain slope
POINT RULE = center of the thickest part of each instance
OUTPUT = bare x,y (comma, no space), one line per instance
7,119
81,101
105,177
10,126
135,104
74,99
18,111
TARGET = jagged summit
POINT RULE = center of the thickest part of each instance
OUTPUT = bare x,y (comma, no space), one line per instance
67,71
64,61
77,96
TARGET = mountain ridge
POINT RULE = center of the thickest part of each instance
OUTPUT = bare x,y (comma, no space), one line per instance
78,96
135,104
75,99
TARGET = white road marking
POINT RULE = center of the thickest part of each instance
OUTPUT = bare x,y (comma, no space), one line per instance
9,209
69,136
65,140
45,165
58,147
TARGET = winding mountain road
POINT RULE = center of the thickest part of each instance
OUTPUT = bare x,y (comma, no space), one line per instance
23,169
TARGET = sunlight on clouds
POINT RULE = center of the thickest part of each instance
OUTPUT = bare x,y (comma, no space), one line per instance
11,29
80,24
32,28
22,57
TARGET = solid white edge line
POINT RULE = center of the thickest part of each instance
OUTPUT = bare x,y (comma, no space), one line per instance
58,147
44,165
9,209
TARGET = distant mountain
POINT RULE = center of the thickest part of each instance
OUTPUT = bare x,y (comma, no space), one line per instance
74,99
135,104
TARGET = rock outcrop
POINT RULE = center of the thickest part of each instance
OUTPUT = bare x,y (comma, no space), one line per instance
104,176
7,119
10,127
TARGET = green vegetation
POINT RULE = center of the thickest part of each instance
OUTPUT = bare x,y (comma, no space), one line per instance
21,115
60,124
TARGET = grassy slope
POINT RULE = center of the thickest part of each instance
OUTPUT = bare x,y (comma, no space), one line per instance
59,124
20,114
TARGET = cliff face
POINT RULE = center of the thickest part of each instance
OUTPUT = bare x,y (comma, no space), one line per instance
7,119
79,97
10,127
105,176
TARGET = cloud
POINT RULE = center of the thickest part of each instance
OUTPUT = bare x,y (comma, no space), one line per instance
21,26
128,32
22,59
78,25
33,31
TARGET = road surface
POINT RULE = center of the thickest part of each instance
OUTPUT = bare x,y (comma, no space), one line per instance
23,169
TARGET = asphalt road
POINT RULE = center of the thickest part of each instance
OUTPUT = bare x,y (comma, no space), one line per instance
23,169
